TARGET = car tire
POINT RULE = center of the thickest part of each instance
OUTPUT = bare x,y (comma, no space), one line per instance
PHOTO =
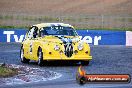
40,57
82,80
23,59
84,63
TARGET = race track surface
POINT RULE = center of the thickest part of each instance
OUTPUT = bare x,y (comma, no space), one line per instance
106,60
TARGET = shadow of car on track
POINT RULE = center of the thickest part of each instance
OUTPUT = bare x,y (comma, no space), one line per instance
57,63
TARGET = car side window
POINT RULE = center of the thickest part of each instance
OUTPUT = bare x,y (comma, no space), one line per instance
33,32
41,33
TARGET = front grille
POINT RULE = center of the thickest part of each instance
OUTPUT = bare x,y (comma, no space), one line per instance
68,49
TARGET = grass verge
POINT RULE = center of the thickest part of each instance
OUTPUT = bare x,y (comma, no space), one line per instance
12,27
7,72
77,28
112,29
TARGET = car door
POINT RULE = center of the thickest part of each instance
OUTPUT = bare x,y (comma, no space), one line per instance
34,43
29,43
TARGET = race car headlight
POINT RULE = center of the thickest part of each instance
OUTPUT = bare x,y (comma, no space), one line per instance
80,47
56,47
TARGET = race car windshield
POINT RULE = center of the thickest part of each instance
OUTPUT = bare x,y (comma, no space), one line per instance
58,30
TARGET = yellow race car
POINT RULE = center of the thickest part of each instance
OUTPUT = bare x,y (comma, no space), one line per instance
54,41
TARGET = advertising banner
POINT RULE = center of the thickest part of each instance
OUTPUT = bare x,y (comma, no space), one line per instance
93,37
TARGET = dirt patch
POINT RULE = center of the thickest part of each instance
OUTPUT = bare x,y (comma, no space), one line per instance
28,75
82,14
65,7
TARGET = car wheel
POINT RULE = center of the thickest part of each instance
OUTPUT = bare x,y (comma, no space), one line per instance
40,57
23,59
85,63
82,80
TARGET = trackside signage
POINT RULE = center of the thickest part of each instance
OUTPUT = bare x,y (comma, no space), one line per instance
93,37
103,37
12,35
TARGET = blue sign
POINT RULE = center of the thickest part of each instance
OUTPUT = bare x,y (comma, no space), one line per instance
13,35
94,37
103,37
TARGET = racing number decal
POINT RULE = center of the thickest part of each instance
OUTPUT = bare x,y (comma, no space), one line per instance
30,48
68,47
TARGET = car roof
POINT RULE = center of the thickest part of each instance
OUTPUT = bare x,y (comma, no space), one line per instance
52,24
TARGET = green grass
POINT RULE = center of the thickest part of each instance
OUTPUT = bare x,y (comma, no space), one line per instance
129,19
44,18
12,27
113,29
77,28
7,72
29,18
67,19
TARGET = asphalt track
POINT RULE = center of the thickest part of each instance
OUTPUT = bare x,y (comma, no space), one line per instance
106,60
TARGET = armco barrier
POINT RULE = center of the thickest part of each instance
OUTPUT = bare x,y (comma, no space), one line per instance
94,37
